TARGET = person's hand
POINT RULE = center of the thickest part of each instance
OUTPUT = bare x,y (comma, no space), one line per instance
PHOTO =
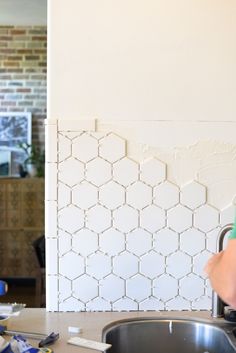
212,262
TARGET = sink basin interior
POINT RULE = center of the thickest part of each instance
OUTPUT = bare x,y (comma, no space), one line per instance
166,336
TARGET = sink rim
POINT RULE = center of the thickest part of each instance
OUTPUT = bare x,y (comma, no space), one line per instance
226,328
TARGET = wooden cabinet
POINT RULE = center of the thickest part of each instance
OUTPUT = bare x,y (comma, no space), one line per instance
21,222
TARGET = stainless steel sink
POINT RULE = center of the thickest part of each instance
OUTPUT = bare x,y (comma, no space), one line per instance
169,335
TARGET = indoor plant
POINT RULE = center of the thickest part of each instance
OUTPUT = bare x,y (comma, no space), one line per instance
35,159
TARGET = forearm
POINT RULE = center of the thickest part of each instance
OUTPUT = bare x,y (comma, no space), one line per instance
221,270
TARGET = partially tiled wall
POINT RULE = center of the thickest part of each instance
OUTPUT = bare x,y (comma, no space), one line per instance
23,64
120,235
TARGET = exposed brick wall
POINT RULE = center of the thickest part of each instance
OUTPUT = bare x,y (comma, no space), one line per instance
23,64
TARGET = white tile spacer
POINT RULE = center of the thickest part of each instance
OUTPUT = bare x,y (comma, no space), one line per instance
73,329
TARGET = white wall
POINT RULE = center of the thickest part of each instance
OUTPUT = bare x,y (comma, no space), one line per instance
142,60
162,76
159,73
23,12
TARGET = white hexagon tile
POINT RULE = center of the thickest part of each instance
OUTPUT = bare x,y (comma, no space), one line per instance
139,242
112,242
118,195
127,237
165,287
107,286
143,284
112,148
125,265
66,174
152,218
98,171
85,242
85,288
139,195
146,264
85,195
85,148
193,195
153,171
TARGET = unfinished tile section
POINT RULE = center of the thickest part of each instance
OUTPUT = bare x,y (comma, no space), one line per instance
126,238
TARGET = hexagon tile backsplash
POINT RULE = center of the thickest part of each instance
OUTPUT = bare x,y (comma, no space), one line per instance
120,236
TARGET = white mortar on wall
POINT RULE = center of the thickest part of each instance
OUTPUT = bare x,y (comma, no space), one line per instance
204,151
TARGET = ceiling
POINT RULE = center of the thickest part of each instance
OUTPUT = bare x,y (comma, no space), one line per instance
23,12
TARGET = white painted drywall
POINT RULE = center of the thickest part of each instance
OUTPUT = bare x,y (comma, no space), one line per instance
142,60
159,73
23,12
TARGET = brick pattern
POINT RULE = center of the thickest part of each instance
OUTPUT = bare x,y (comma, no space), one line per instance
23,74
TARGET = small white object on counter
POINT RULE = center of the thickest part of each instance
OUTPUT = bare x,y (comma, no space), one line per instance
82,342
11,308
74,329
